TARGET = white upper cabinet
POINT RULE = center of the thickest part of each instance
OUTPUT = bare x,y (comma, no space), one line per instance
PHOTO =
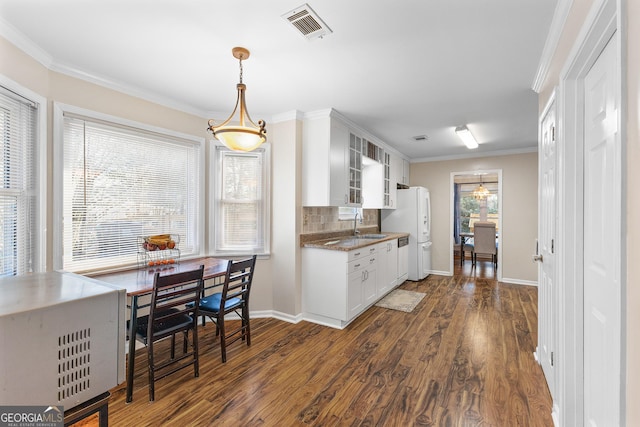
372,184
325,162
342,166
405,172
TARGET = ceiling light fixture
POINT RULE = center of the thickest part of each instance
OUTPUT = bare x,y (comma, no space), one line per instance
467,137
246,136
480,193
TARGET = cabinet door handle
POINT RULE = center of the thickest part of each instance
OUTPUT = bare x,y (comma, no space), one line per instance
356,266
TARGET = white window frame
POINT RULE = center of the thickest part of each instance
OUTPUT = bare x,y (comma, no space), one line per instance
58,151
39,251
214,194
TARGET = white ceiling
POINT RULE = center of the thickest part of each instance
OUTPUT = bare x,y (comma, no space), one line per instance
396,68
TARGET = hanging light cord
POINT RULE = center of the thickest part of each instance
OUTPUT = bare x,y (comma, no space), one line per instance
240,59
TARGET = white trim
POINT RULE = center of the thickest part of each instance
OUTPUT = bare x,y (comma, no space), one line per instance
287,116
58,148
519,282
600,24
24,43
553,37
477,155
441,273
40,252
212,195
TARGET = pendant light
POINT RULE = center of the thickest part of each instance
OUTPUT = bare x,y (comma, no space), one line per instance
246,135
480,193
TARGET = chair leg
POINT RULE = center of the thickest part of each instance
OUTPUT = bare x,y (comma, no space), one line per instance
223,343
196,353
246,324
173,346
151,371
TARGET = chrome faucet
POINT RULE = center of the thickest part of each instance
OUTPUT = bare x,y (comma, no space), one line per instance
355,224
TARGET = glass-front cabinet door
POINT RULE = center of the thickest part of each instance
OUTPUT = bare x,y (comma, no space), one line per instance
355,170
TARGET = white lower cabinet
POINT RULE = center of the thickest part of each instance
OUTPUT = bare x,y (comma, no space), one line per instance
387,266
339,285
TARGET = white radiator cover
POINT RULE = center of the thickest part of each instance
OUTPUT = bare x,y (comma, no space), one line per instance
62,339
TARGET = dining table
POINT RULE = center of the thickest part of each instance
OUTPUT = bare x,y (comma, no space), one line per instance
138,283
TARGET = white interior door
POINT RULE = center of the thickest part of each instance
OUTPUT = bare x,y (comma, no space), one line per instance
547,294
602,242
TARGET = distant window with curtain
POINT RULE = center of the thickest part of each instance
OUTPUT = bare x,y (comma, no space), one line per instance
241,202
18,193
121,183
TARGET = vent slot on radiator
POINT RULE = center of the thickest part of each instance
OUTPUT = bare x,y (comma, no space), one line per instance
74,363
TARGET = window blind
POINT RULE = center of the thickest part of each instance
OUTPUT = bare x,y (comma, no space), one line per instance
18,188
121,183
241,202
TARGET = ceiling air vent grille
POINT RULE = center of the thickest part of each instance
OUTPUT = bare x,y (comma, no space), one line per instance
420,138
307,22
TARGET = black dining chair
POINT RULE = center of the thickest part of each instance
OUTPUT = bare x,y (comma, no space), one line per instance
174,309
234,298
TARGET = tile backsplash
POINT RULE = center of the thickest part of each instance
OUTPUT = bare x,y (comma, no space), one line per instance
323,219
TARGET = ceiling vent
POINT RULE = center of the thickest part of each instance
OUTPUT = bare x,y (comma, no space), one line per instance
420,138
307,22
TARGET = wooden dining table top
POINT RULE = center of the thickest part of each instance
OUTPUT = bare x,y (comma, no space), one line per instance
139,281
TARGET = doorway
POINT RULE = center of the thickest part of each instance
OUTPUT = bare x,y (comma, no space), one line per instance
591,261
465,209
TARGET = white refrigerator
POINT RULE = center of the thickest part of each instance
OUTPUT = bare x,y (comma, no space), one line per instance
413,215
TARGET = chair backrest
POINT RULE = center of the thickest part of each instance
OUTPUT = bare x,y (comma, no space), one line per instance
484,238
238,281
175,295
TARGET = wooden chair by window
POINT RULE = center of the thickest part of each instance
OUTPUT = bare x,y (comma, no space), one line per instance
484,241
174,309
233,298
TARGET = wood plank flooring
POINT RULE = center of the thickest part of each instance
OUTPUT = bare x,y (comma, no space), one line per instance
463,357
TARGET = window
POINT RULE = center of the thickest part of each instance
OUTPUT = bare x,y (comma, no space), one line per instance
470,207
348,213
19,229
123,181
241,201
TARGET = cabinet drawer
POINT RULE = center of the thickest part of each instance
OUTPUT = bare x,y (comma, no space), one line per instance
362,252
362,263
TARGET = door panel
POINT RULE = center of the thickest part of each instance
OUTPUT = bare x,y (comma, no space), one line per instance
602,192
548,297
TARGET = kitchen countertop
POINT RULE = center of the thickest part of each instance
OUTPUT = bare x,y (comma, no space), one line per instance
350,242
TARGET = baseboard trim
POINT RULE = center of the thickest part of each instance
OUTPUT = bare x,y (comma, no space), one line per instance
519,282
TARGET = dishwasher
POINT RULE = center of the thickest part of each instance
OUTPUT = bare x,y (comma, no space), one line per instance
403,259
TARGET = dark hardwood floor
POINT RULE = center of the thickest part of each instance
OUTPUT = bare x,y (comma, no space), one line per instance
463,357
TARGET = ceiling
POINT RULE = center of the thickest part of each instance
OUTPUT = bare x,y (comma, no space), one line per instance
396,68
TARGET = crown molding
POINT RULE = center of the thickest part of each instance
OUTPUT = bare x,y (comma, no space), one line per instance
553,37
496,153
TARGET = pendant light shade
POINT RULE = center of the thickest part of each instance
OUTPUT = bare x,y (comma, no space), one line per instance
246,135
